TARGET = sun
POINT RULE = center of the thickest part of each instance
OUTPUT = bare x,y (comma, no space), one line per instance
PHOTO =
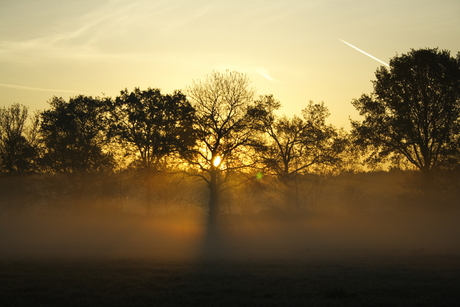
216,161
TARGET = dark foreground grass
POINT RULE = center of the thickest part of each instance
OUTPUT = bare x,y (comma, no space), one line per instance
383,280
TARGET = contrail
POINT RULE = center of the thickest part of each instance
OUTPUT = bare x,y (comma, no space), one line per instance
366,53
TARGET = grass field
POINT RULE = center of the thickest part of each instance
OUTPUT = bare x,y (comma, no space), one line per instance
371,280
354,260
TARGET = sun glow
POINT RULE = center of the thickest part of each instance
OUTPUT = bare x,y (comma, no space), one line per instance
217,160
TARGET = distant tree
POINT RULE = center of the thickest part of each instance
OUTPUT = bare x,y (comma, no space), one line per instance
223,129
74,134
414,110
18,150
156,125
296,146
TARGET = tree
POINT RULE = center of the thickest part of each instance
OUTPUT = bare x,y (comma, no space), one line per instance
18,152
294,146
414,110
74,137
156,125
74,134
223,129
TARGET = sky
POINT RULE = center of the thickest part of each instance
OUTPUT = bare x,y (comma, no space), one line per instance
295,50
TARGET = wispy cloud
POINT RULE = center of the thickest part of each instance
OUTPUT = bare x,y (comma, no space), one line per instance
75,34
30,88
264,73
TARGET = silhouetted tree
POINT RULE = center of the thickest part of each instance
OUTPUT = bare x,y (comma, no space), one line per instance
156,125
294,146
414,110
223,130
18,150
74,135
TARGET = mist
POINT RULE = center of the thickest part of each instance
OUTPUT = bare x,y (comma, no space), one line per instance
354,215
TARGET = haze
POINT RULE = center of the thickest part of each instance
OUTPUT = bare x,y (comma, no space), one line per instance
367,214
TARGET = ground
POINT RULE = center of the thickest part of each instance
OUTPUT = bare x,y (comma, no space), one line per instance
367,280
384,259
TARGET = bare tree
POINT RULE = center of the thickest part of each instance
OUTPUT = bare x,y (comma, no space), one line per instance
223,129
295,146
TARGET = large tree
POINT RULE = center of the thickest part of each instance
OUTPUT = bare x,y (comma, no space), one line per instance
414,110
156,125
296,146
74,135
223,129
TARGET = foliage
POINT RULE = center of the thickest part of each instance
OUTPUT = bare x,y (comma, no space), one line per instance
18,150
74,134
414,110
92,147
296,146
156,125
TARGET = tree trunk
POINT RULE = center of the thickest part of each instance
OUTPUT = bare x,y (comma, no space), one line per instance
213,200
212,244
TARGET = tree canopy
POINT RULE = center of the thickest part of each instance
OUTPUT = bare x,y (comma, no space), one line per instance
74,134
18,153
414,110
219,131
156,125
293,146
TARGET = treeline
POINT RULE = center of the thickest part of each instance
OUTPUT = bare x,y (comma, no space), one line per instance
149,148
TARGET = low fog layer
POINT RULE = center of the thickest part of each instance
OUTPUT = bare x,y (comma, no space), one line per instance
265,236
355,214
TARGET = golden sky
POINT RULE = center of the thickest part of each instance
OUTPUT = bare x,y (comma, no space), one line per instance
294,50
